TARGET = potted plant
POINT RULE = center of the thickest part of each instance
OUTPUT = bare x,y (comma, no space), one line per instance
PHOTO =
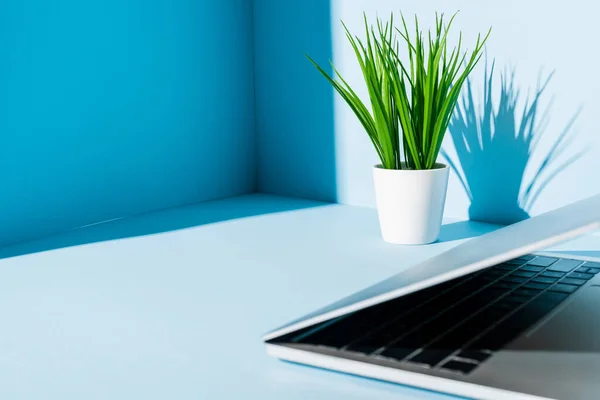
411,103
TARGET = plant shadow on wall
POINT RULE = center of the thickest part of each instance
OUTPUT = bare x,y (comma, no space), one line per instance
494,146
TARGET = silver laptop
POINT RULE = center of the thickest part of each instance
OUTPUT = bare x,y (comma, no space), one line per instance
487,319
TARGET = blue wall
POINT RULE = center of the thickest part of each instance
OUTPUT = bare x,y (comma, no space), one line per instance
111,108
294,106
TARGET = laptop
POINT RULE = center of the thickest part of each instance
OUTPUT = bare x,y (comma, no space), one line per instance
490,319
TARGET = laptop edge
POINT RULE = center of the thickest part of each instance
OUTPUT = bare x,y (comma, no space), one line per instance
504,244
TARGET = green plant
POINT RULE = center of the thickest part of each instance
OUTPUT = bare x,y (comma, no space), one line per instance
411,103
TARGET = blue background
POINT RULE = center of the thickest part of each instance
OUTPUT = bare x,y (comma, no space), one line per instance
110,109
294,109
117,107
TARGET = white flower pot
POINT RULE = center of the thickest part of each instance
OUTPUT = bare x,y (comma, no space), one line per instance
410,203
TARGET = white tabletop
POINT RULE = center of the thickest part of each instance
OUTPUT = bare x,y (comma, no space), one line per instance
173,304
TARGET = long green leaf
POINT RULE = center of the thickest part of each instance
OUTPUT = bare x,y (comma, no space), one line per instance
410,102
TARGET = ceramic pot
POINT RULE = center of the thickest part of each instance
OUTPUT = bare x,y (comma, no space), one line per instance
410,203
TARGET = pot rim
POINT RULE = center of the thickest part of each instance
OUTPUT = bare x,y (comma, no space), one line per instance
438,168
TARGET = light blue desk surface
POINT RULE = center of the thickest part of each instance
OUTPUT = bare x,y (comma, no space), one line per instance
180,314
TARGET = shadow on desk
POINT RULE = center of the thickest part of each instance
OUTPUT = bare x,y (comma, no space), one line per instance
464,230
163,221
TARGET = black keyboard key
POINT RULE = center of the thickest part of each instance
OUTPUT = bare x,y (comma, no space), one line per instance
552,274
507,305
540,307
543,261
397,352
563,288
379,338
431,357
510,300
579,275
526,257
527,316
564,265
494,272
531,268
504,285
516,261
363,348
418,338
506,267
464,308
582,269
571,281
475,355
593,267
471,285
522,291
552,299
514,279
459,366
455,338
494,340
477,280
485,279
543,279
496,311
519,299
450,297
593,270
535,285
522,274
491,293
480,322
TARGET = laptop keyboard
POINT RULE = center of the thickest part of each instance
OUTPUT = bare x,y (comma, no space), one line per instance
457,325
